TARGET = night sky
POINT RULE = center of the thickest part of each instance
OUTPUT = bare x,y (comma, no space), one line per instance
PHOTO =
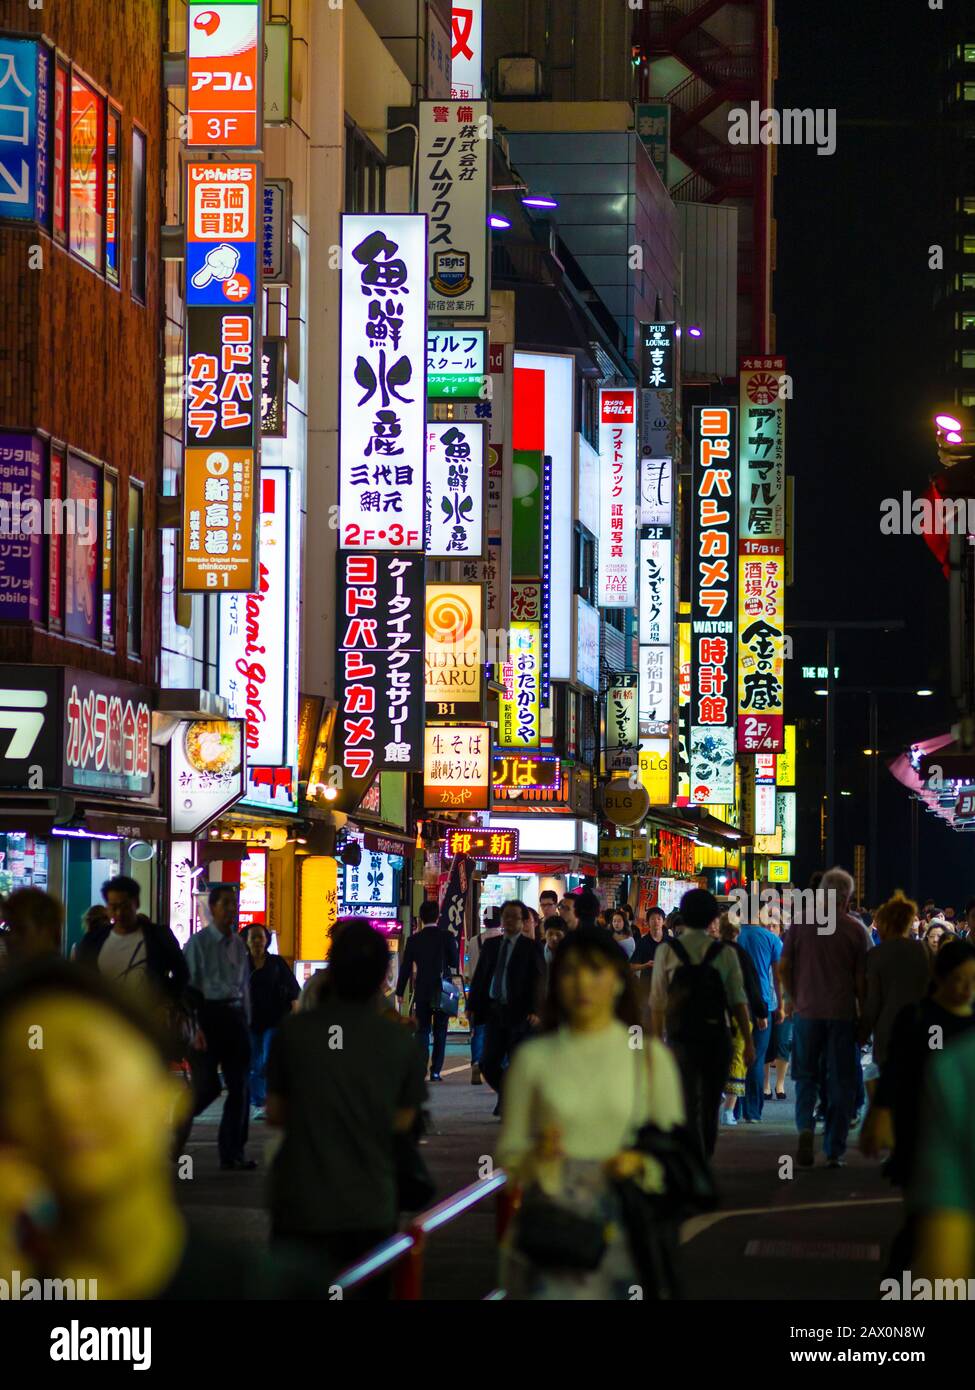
853,298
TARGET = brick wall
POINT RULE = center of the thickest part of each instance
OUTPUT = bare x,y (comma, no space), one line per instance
79,358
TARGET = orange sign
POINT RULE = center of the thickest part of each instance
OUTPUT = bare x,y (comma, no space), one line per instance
218,520
222,75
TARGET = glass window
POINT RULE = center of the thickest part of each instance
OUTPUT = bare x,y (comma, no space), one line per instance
109,490
968,206
968,91
87,211
112,194
968,359
968,52
968,282
138,215
133,590
365,173
968,245
23,863
968,398
967,321
60,153
81,615
55,553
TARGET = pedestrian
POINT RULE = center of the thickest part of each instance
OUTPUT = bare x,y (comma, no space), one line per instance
554,936
764,949
95,917
622,935
966,929
587,907
344,1080
34,922
219,969
933,937
274,994
697,983
567,911
430,955
492,927
641,961
505,994
86,1186
734,1096
128,948
823,972
548,904
897,974
575,1098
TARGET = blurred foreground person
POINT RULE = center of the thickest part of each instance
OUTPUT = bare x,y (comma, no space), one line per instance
920,1034
575,1099
942,1197
34,921
273,994
344,1080
734,1096
94,919
220,969
86,1119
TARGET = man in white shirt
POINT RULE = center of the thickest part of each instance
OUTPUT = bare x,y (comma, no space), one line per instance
219,969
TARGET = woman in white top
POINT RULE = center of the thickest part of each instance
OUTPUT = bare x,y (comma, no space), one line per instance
574,1100
622,935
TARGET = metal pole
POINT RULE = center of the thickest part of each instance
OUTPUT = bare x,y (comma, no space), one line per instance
915,884
872,840
830,750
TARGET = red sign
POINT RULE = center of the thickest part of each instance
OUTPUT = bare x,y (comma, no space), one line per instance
222,52
618,407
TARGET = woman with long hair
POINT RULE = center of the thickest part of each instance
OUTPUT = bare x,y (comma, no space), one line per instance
620,927
575,1098
898,973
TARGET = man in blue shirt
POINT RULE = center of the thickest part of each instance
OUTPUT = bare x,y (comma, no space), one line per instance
763,948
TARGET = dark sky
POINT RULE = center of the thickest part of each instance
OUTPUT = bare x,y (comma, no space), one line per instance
854,298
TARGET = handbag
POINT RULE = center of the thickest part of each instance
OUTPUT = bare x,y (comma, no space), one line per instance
448,1000
415,1188
689,1187
553,1237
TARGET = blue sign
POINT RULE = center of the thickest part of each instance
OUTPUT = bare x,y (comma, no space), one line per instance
216,272
19,64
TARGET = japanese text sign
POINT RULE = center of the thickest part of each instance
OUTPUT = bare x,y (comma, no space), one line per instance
454,191
501,845
457,767
519,708
221,233
455,491
382,382
454,650
617,494
224,56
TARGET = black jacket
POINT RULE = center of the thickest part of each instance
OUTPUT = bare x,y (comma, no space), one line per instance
526,974
165,965
757,1006
433,951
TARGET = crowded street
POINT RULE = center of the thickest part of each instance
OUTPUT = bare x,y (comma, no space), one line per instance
487,676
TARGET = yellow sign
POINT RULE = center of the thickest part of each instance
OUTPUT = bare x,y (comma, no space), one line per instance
319,906
785,763
641,848
618,854
453,650
779,870
519,708
457,767
769,844
655,769
623,804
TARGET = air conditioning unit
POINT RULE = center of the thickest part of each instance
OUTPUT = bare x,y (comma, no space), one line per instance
518,76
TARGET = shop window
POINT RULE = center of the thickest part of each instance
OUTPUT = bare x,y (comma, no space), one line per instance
968,245
365,173
60,154
138,203
87,173
112,186
133,589
55,541
585,564
109,494
82,615
23,863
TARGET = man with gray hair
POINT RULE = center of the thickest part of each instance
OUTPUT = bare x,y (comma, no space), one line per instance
823,972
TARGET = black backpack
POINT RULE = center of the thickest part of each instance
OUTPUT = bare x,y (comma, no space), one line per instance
696,1003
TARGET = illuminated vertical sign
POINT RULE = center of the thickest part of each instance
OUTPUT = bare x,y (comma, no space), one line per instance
656,492
656,627
761,555
224,55
519,708
466,21
454,190
713,563
622,722
454,652
24,97
380,663
785,763
455,490
617,498
382,382
221,233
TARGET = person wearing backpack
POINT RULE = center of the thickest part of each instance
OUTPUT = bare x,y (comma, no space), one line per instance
433,952
697,983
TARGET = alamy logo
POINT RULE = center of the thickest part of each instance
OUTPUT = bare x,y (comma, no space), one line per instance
22,712
760,125
77,1343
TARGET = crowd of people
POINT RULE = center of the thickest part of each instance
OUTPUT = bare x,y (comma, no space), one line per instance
618,1050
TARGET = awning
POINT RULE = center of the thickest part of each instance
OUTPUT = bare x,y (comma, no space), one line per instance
698,823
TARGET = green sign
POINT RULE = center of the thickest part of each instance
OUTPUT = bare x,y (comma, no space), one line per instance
652,122
455,364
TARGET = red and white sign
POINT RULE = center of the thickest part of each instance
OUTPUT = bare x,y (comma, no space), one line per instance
617,498
466,54
222,76
107,735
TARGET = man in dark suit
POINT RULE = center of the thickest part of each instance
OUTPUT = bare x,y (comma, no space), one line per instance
505,993
432,951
